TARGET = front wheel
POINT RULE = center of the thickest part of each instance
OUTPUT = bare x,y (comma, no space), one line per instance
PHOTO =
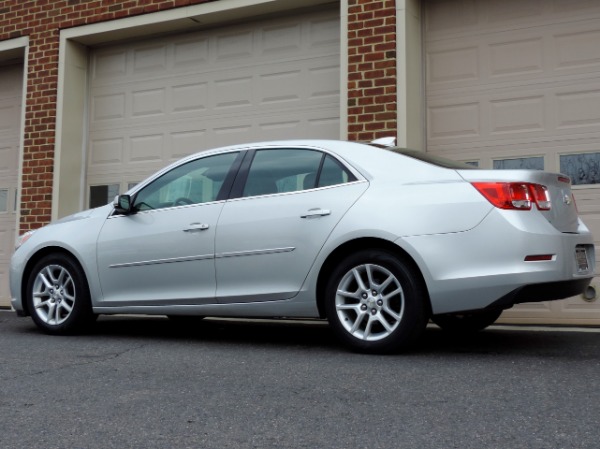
375,302
58,295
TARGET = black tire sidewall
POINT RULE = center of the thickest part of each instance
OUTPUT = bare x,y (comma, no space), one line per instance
414,318
81,314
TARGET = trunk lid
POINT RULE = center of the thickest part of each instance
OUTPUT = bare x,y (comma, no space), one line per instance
563,213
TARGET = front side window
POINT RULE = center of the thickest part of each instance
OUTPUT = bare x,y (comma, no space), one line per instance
198,181
291,170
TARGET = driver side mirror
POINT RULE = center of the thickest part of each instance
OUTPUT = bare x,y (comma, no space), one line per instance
122,204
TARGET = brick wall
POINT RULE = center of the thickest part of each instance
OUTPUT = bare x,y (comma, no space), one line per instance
371,69
372,62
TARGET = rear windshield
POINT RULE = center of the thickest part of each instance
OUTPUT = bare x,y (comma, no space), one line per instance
432,159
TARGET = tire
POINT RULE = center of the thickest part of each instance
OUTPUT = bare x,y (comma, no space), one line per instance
58,295
376,303
466,323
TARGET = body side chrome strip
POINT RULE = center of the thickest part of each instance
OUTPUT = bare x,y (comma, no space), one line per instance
159,261
259,252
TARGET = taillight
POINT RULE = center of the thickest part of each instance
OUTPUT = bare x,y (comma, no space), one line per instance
541,196
515,195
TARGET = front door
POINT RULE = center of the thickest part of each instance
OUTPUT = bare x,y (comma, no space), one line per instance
163,253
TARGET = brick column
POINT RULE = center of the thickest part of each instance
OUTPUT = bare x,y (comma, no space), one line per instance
372,99
40,125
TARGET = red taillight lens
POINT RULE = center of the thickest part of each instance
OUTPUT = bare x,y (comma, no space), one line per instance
515,195
505,195
541,196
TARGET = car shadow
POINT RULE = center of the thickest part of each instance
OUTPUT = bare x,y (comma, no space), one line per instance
316,334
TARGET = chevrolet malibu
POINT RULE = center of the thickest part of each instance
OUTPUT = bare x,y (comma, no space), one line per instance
376,240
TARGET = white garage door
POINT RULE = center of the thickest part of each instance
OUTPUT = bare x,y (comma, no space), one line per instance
516,83
155,101
11,79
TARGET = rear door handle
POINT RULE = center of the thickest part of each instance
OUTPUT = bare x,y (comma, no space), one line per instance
196,227
315,213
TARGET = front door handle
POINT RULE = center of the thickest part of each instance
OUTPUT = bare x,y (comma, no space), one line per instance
196,227
315,213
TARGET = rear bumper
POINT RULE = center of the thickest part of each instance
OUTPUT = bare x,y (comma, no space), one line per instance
488,266
549,291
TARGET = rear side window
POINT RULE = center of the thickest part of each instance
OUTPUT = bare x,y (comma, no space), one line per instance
290,170
333,173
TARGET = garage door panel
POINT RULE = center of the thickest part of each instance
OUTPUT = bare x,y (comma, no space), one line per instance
10,114
106,150
190,53
9,160
576,50
11,80
108,107
150,59
517,57
147,103
578,108
109,65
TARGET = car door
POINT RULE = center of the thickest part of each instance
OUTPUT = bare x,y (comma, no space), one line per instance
163,252
269,237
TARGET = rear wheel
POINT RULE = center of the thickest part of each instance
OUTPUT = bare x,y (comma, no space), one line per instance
58,296
375,302
465,323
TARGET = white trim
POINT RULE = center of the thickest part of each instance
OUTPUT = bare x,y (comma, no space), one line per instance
15,45
343,69
179,18
409,76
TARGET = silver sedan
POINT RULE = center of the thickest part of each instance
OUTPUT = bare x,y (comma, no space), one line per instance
376,240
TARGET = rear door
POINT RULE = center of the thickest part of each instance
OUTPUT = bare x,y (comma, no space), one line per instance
269,236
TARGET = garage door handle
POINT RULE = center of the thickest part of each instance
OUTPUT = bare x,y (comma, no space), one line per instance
315,213
196,227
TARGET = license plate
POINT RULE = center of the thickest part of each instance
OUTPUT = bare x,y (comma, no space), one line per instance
582,260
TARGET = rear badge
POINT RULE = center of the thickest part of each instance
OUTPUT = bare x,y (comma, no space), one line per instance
567,200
